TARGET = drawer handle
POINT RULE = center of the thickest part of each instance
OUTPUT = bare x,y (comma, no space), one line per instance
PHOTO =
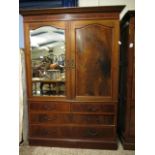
89,119
92,109
91,132
46,118
51,118
47,107
45,132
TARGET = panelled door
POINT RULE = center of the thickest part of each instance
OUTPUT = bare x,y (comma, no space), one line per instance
94,57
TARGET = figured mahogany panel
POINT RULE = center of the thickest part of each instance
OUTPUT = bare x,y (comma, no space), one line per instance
93,59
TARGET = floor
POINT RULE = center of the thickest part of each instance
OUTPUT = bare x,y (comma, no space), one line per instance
32,150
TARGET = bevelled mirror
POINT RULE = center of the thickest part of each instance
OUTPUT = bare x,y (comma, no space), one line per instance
48,61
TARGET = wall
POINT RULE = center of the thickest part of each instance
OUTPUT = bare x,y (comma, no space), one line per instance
130,4
21,34
23,114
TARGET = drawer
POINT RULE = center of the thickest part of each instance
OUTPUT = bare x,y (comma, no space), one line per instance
93,119
93,132
92,107
50,131
36,118
49,106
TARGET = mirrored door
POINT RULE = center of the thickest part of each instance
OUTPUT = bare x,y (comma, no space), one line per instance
47,48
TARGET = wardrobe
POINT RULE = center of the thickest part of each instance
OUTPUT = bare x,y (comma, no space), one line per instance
72,76
126,119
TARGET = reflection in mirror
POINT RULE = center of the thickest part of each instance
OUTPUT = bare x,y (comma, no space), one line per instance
48,60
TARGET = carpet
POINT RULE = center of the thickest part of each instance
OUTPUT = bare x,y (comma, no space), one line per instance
37,150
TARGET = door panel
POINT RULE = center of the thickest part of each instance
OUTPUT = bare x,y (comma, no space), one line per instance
94,46
93,59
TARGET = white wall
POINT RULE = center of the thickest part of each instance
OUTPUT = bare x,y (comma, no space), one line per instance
21,33
130,4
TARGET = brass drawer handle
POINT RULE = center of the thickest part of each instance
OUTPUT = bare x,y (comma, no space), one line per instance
91,132
46,132
51,118
92,109
89,119
49,107
46,118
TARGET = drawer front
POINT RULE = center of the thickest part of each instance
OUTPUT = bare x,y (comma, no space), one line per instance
49,106
93,119
93,132
50,131
37,118
92,107
50,118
